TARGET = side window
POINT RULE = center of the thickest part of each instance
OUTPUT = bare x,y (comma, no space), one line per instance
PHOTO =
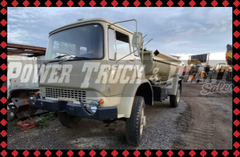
112,44
122,42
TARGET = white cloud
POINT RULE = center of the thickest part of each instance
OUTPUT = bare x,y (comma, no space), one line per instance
18,36
174,30
223,28
203,29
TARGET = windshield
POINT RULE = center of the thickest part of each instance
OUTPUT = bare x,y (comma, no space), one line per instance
85,42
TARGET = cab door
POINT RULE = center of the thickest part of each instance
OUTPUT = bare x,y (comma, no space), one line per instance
121,71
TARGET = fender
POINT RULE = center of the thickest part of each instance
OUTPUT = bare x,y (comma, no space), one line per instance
172,89
128,95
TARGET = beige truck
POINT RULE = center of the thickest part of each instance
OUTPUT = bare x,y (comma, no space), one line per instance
100,70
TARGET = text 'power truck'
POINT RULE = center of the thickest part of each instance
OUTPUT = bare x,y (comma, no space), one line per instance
100,70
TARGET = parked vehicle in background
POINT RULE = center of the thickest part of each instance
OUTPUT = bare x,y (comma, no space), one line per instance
22,79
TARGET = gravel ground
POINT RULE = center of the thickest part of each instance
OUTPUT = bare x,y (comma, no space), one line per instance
206,119
160,132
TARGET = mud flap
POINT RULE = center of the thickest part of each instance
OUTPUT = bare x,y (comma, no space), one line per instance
172,88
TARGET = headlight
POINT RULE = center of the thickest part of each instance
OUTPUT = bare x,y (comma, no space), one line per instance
92,107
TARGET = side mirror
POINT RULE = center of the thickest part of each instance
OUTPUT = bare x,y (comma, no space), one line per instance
137,39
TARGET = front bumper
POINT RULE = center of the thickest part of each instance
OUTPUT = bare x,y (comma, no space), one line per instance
104,113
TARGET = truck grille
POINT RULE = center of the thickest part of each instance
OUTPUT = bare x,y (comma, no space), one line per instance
74,94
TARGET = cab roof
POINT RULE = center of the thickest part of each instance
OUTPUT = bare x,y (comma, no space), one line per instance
88,21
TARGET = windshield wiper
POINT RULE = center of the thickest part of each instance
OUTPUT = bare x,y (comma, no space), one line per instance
60,56
57,57
70,58
73,57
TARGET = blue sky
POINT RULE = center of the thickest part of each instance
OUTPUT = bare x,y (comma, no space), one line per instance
181,31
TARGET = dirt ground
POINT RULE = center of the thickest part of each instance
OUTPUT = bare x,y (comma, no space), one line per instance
199,122
211,123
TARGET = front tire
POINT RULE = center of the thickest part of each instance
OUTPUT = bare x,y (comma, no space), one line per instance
67,120
134,124
175,99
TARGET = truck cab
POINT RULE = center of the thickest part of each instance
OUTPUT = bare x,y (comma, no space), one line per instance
93,69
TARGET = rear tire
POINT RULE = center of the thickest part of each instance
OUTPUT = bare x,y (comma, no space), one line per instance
134,124
67,120
175,99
